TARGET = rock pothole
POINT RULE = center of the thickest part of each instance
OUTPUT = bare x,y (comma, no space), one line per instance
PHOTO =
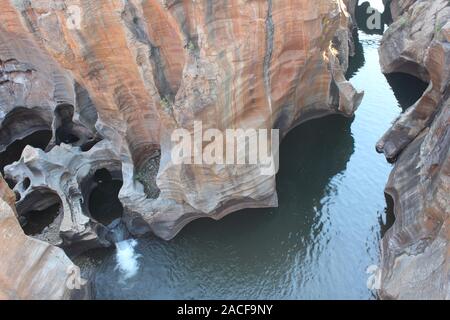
39,139
103,200
72,133
40,215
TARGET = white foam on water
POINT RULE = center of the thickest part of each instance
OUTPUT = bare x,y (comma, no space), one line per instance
127,259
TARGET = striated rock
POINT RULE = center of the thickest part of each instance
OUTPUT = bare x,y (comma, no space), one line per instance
40,105
398,7
413,45
64,176
416,250
351,9
33,86
29,268
151,67
111,80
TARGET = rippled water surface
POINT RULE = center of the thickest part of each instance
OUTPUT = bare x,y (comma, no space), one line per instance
316,245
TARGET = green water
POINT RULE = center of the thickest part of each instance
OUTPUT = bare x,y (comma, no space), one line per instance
316,245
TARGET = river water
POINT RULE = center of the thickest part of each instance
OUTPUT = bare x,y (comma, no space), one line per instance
316,245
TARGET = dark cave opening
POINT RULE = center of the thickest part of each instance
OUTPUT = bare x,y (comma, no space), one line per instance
407,88
10,182
104,204
65,136
69,132
39,139
388,222
64,133
34,222
38,213
26,183
90,144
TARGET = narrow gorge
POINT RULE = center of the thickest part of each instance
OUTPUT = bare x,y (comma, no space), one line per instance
91,92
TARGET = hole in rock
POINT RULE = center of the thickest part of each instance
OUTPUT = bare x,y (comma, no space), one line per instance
64,132
90,144
13,152
40,215
104,203
26,183
65,136
69,132
36,221
407,88
389,220
11,183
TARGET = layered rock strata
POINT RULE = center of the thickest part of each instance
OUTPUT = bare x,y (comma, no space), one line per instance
29,268
416,250
111,81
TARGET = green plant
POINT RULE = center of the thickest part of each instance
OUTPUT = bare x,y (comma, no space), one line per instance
166,104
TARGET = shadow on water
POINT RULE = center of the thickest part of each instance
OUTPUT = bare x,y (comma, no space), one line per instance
249,254
363,13
310,156
316,245
357,61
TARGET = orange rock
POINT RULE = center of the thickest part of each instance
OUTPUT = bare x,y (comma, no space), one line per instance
113,79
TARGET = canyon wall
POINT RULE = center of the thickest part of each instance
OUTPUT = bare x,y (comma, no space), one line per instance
416,250
109,81
29,268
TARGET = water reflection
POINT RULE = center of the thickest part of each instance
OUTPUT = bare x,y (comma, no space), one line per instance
252,253
357,61
316,245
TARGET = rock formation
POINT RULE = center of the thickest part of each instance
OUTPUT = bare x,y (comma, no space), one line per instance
29,268
416,250
111,80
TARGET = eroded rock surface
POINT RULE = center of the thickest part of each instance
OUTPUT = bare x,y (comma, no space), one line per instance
416,250
111,80
150,67
29,268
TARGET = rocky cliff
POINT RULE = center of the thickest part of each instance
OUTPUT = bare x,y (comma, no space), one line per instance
416,250
29,268
95,85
